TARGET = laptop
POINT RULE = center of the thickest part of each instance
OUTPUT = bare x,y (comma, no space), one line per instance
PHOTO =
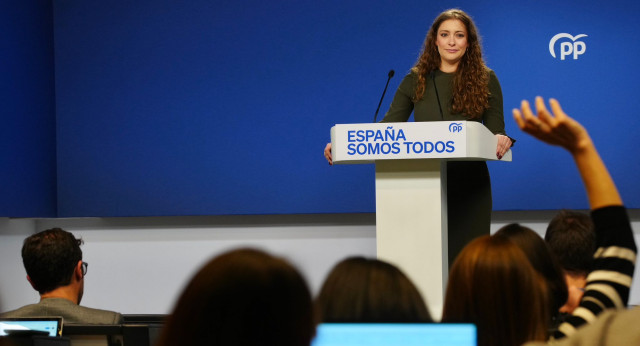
396,334
51,326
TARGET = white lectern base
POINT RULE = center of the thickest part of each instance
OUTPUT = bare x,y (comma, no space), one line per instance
411,215
411,223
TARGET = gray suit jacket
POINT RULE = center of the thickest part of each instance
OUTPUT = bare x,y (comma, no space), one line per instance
70,312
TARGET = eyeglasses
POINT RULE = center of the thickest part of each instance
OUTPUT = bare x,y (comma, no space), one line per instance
84,268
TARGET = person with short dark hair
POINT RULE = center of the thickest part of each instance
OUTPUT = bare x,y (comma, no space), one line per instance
368,290
242,297
572,239
54,266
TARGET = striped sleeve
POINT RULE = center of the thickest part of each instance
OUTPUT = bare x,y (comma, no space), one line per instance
609,282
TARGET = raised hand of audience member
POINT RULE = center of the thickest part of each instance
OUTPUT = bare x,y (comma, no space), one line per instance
555,129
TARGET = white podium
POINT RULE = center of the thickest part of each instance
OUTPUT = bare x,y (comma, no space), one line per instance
411,196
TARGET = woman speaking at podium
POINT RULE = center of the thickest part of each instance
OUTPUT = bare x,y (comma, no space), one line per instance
451,82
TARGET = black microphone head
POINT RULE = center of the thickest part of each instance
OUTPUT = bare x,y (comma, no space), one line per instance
391,73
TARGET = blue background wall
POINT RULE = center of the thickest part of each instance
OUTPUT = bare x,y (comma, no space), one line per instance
211,107
27,110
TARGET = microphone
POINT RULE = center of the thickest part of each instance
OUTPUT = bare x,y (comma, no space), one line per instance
432,74
391,73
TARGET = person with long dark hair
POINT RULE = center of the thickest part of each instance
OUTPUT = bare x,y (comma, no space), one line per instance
493,285
451,82
369,290
546,265
243,297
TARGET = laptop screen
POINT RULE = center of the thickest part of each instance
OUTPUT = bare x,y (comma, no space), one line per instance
392,334
50,325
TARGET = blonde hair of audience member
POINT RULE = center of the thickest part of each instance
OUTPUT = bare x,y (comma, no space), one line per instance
360,289
493,285
243,297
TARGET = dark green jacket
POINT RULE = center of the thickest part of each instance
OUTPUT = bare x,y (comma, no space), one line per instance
427,108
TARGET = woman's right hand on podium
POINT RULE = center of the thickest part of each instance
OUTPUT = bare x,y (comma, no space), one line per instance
327,153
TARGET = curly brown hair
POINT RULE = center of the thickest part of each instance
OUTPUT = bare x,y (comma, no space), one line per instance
471,80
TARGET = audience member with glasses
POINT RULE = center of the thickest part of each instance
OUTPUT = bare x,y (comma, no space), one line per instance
54,266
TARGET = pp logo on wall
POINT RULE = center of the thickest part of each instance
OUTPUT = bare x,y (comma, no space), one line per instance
568,46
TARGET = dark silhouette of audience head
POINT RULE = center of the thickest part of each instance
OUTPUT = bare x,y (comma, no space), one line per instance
572,239
493,285
243,297
542,260
367,290
50,259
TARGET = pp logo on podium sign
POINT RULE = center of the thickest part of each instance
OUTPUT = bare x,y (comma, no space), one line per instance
455,127
573,47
